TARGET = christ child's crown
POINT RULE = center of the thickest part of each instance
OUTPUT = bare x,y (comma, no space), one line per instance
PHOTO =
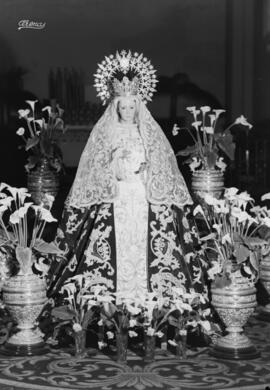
143,84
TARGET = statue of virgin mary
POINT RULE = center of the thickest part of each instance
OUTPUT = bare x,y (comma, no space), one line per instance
127,219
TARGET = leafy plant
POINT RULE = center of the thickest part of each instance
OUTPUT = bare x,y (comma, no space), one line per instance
18,233
208,140
232,244
42,134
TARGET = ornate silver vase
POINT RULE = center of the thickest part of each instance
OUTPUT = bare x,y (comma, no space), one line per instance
234,305
265,279
210,181
42,181
24,296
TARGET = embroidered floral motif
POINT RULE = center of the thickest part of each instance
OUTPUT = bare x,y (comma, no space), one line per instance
73,222
98,253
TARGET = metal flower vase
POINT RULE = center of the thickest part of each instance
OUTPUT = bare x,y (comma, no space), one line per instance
265,279
207,180
43,180
234,304
24,296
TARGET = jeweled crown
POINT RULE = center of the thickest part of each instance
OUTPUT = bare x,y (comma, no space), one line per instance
142,84
125,87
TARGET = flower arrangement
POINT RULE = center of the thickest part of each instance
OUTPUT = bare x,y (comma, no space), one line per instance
232,243
41,139
22,224
208,139
180,309
82,297
120,317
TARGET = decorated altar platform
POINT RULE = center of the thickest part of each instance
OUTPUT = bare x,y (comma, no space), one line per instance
60,370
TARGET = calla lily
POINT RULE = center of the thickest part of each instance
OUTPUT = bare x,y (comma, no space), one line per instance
209,129
172,342
212,119
175,129
218,113
20,131
132,323
40,122
243,121
131,333
48,109
32,103
14,217
24,113
196,124
265,197
110,335
46,215
205,109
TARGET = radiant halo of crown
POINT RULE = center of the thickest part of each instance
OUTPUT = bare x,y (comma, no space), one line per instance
143,83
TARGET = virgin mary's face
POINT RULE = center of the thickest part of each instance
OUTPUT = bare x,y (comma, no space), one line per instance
127,109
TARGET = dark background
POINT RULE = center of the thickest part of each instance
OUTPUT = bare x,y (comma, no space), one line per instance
213,52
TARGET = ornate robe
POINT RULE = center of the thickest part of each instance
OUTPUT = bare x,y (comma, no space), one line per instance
131,245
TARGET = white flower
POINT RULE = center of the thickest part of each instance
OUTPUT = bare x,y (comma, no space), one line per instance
243,121
150,331
20,131
194,164
214,270
172,342
265,196
24,113
220,164
209,129
47,108
159,334
218,112
100,322
226,239
23,210
3,209
196,124
212,119
39,122
110,335
183,332
14,217
198,210
132,323
266,221
70,288
133,310
46,215
210,199
131,333
217,227
205,109
77,327
230,192
32,103
6,201
191,109
101,344
47,200
175,129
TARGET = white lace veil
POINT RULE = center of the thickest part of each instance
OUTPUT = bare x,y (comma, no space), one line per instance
95,181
